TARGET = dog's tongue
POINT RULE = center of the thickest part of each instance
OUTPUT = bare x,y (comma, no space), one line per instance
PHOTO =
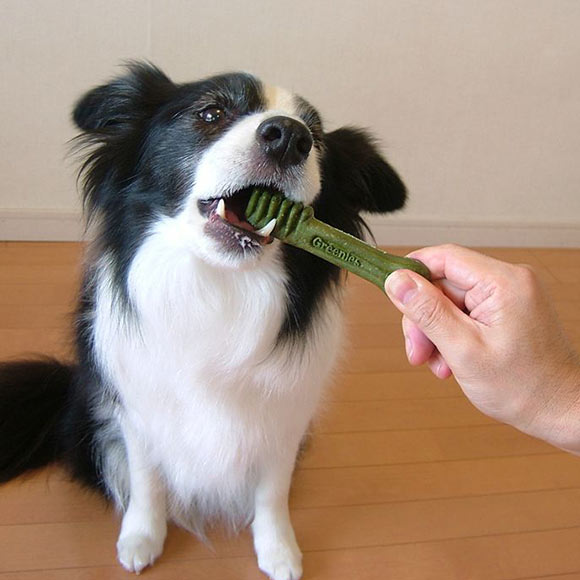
233,211
233,219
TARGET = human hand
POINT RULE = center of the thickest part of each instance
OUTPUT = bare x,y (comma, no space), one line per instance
492,325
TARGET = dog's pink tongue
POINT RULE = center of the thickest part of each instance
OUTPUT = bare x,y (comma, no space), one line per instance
232,218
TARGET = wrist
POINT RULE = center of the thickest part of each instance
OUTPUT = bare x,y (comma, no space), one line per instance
557,418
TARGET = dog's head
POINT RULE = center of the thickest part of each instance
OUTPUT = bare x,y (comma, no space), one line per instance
166,151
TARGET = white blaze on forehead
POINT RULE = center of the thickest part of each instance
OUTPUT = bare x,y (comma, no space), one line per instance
279,99
233,161
236,160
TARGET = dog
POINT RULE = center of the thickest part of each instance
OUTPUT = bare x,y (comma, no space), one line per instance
203,346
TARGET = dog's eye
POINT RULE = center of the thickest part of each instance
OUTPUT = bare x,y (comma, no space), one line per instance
211,114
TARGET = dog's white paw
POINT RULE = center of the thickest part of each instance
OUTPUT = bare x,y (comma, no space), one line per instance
137,551
281,561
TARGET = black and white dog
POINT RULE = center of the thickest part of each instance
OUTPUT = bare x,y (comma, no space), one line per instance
203,346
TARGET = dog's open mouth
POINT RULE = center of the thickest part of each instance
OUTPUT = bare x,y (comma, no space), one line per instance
226,221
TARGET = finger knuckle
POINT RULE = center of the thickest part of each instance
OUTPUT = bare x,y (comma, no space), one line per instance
450,248
527,279
526,272
429,312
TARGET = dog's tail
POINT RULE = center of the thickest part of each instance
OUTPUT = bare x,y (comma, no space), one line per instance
34,398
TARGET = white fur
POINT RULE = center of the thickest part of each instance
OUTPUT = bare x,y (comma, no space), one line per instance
212,409
279,99
217,412
145,521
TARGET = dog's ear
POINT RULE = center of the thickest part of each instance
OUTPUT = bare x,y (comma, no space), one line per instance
365,180
131,97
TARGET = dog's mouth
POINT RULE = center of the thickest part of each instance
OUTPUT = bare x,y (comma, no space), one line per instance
227,224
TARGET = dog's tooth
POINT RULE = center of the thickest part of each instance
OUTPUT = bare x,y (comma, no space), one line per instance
267,229
221,209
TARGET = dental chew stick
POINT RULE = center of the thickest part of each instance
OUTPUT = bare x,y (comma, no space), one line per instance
296,225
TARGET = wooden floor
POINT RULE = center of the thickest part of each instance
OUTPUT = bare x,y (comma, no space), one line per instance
403,480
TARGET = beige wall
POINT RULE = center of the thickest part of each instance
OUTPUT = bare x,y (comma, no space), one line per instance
477,103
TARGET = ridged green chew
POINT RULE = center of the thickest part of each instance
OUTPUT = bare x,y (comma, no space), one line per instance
296,225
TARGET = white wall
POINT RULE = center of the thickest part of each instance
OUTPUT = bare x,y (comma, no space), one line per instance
476,103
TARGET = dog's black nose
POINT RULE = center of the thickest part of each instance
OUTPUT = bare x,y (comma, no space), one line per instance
285,140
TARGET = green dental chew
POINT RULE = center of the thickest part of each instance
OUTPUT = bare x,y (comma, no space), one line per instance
296,225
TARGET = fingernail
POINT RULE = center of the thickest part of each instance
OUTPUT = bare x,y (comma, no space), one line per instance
409,349
401,286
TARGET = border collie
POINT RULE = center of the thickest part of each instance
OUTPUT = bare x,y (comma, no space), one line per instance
202,346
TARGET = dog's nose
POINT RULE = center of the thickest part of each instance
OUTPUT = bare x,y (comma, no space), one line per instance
285,140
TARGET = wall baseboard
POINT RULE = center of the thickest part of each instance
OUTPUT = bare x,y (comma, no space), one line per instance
395,231
53,225
41,225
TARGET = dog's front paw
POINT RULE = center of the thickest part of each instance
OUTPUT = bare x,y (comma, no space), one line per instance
280,561
137,551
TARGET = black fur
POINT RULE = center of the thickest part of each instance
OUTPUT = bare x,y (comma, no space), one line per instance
138,129
33,398
354,171
44,418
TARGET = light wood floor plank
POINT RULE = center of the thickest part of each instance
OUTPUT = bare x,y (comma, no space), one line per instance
17,343
398,414
504,557
89,543
40,253
408,482
418,446
390,385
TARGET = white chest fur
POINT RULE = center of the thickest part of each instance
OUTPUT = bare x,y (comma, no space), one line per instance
200,376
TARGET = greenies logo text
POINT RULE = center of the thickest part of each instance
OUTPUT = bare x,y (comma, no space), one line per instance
331,249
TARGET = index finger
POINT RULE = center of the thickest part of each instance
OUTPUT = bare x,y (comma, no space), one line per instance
463,267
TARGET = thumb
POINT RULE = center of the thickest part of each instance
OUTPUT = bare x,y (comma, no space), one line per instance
426,306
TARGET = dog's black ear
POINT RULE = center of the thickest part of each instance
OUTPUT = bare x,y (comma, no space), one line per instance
126,99
364,178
